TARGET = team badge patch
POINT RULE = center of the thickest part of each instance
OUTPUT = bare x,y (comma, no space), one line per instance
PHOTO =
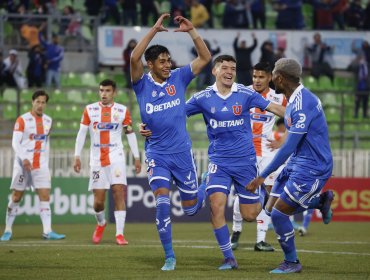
171,90
237,110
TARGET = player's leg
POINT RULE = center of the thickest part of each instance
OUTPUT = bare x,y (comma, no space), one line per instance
237,224
11,214
307,216
218,188
118,183
118,191
159,178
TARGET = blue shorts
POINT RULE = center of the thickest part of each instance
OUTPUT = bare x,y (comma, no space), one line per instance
180,167
220,179
295,188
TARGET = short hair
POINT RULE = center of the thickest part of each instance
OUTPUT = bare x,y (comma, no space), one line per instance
279,121
38,93
154,51
263,66
222,58
108,82
289,68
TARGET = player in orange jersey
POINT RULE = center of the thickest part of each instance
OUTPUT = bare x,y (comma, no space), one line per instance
105,120
31,164
262,123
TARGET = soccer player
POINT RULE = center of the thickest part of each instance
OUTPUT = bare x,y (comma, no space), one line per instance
105,120
31,164
225,107
262,128
161,97
298,186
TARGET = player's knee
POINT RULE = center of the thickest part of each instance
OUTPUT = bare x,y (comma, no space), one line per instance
98,206
249,217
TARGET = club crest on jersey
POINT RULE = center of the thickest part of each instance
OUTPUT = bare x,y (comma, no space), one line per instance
237,110
171,90
213,110
154,93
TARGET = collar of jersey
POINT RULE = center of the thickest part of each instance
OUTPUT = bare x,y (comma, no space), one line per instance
105,106
295,93
158,84
234,88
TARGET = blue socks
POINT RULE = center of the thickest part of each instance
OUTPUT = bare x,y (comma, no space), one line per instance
307,216
223,239
192,210
164,226
284,229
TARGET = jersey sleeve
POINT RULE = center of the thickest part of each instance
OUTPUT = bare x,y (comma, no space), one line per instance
139,85
256,100
19,125
85,118
192,107
127,121
301,119
186,74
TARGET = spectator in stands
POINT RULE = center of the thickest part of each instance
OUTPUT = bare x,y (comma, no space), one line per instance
198,14
93,9
355,15
2,71
323,14
36,67
319,54
148,8
360,67
289,15
129,12
367,17
177,8
205,77
235,15
30,33
70,23
111,11
267,52
54,54
339,9
208,5
258,11
218,8
243,58
280,53
126,60
13,71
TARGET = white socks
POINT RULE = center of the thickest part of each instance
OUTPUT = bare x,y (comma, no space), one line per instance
120,217
237,216
100,218
262,225
11,213
45,215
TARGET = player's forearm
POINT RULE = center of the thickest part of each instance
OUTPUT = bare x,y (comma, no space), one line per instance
204,55
80,139
142,45
17,146
132,141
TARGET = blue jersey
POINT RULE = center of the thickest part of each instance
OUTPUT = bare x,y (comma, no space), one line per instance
162,109
228,123
304,115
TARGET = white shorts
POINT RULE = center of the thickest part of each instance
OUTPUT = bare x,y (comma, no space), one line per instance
104,177
262,163
22,179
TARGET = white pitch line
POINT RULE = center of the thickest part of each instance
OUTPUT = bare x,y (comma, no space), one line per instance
54,244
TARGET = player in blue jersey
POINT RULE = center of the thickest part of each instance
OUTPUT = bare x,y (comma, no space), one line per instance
225,107
161,98
299,184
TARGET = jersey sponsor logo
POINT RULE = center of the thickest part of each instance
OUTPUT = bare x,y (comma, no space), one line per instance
261,118
237,110
106,114
171,90
300,122
105,126
38,137
150,108
215,124
104,145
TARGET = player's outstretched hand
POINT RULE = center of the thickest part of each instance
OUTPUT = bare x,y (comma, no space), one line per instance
158,26
144,132
273,144
184,23
77,165
255,183
137,166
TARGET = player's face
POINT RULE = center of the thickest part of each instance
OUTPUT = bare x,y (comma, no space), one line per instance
38,105
261,80
161,67
277,79
106,94
225,73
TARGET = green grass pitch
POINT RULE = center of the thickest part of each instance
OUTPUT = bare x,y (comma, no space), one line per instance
334,251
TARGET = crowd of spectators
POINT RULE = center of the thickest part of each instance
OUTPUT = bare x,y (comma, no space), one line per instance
244,14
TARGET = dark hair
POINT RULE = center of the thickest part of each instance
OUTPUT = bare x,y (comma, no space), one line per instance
279,121
223,57
154,51
108,82
263,66
38,93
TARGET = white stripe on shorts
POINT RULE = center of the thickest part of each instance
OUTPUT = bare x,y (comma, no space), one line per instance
158,177
187,191
216,186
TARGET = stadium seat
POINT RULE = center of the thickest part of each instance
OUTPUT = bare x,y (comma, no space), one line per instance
330,99
60,113
74,80
26,95
101,76
123,97
311,83
10,95
325,83
58,97
86,31
90,96
120,80
25,108
75,112
332,114
74,96
88,79
10,112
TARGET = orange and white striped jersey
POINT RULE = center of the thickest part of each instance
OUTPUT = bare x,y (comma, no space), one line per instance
33,144
105,126
262,123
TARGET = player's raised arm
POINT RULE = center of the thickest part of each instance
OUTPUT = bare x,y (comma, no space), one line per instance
137,66
204,56
277,109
